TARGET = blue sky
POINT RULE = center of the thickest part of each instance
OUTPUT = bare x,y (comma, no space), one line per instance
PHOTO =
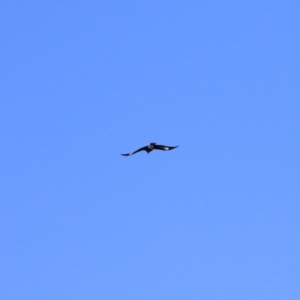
216,218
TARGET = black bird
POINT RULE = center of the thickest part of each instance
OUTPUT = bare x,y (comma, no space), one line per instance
151,147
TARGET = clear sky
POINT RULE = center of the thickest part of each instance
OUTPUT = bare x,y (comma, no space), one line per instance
84,81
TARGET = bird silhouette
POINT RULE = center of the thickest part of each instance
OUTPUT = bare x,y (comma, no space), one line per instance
150,147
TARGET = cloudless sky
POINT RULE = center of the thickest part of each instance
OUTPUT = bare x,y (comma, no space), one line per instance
84,81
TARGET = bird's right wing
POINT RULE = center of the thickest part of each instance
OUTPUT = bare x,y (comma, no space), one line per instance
164,148
138,150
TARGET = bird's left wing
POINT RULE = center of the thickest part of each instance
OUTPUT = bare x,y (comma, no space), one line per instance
138,150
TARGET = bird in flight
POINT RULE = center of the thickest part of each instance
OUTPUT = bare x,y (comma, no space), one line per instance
151,147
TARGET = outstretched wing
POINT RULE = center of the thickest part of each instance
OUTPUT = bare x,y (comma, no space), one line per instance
164,148
138,150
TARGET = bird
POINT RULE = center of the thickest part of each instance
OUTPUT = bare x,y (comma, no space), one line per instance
151,147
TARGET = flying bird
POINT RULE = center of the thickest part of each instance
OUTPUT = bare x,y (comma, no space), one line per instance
151,147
